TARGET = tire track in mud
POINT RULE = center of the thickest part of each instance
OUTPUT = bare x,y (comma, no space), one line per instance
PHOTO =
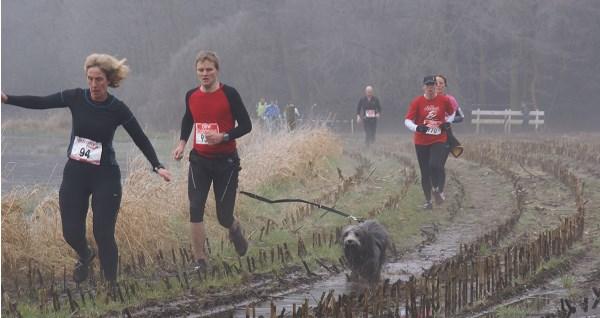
444,244
263,287
580,159
476,216
488,201
497,162
558,172
469,226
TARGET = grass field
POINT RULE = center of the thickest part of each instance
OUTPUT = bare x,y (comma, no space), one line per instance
306,164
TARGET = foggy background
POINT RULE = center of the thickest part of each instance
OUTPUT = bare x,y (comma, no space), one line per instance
496,53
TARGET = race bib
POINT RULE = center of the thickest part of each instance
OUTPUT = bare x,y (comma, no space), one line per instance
433,131
202,129
86,150
433,127
370,113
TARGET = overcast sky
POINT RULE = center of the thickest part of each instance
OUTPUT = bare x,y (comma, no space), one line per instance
496,53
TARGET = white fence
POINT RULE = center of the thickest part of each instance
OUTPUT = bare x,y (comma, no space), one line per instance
507,118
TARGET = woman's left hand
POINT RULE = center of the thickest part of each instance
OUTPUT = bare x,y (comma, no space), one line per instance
213,138
164,173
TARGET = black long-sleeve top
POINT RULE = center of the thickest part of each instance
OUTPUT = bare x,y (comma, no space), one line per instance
94,121
365,104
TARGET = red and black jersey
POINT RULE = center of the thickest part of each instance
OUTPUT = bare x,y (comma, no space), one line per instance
216,111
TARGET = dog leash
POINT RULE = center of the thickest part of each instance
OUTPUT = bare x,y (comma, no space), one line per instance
320,206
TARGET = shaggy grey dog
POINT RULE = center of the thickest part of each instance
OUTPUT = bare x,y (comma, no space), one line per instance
365,245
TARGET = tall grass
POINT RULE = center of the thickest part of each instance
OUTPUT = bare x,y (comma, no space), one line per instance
155,214
55,121
16,242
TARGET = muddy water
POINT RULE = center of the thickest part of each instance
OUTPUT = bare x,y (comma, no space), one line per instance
39,160
414,263
28,161
445,245
536,303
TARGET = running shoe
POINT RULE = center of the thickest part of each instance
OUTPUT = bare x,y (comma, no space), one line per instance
427,205
201,265
239,242
82,267
439,197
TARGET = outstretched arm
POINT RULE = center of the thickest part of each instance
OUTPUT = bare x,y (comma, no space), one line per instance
35,102
141,140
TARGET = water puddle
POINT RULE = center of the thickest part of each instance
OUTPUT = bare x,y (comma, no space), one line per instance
537,303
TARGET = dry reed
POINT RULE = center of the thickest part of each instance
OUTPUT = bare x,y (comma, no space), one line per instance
16,243
154,214
56,121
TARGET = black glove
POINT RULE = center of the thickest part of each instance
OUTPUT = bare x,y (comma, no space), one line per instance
445,126
422,128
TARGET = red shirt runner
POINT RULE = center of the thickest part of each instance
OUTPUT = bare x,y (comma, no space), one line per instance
431,113
211,112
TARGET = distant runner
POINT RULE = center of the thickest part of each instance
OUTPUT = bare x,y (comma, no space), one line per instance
92,169
368,112
452,145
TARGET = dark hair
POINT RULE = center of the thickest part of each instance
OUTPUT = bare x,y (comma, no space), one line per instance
445,80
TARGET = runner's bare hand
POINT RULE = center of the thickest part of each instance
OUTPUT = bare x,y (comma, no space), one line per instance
165,174
213,138
178,151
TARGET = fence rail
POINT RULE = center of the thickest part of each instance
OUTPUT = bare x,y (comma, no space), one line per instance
507,118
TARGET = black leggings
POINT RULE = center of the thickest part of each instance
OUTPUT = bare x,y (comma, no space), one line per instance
103,183
431,163
370,129
223,173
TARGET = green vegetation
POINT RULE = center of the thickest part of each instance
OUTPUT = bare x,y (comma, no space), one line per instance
512,312
156,206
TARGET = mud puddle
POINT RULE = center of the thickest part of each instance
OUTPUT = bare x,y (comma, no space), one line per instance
536,303
401,269
543,302
440,245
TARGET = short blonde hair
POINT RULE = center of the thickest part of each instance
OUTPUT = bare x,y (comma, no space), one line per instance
114,69
207,56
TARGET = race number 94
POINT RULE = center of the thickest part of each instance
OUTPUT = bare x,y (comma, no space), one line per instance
84,153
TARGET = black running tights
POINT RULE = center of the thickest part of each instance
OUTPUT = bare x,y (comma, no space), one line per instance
431,163
103,184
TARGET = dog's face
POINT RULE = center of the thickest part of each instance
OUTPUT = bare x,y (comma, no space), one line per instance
364,248
352,237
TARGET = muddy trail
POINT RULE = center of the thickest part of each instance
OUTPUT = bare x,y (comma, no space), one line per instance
573,289
471,215
510,238
439,241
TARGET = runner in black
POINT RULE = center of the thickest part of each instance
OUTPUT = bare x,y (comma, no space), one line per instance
368,112
92,168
